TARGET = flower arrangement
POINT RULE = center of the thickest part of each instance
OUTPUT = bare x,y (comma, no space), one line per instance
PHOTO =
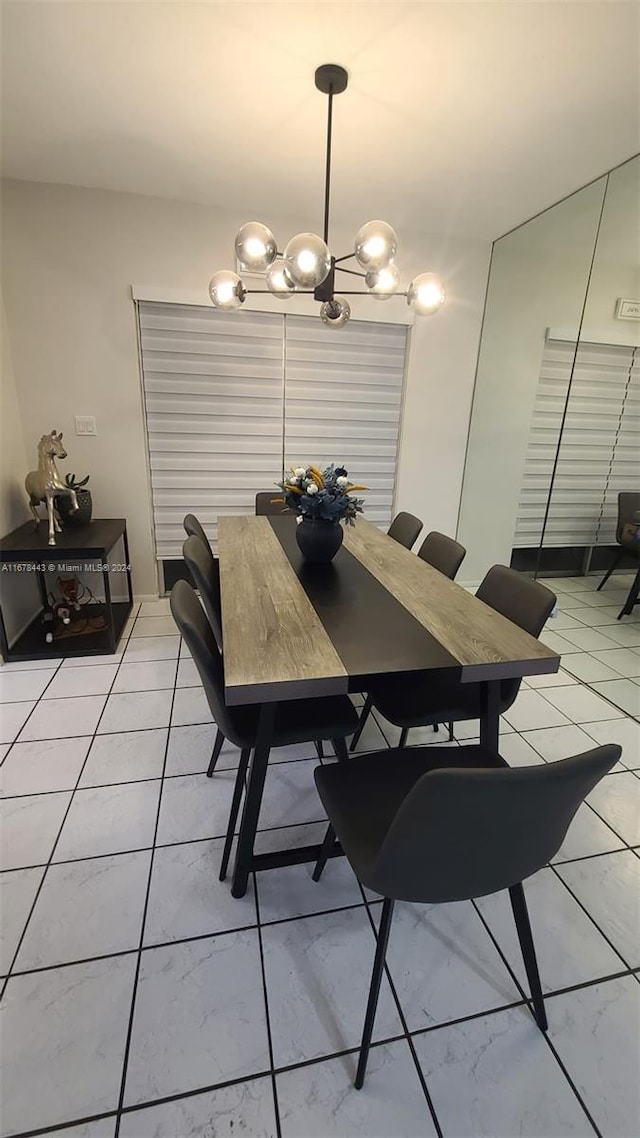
324,495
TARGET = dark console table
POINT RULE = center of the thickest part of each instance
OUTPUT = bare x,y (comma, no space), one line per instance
79,550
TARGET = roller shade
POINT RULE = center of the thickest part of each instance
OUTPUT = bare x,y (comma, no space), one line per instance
231,398
213,389
343,400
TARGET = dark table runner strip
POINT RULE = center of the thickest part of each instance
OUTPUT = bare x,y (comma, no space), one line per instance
371,631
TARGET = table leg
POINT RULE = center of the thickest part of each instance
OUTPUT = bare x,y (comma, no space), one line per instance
109,603
253,800
632,598
125,543
490,714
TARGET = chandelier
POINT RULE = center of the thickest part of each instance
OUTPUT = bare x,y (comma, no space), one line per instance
307,267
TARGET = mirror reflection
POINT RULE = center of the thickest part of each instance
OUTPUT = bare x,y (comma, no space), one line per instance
552,477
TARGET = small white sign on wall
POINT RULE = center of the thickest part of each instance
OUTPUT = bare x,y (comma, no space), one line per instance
627,309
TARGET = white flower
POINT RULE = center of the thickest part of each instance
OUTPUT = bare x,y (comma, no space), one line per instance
342,481
312,488
299,471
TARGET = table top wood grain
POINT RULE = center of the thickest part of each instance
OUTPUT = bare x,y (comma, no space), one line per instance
275,646
293,630
480,638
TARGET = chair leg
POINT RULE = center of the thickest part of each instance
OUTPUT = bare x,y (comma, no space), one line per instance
366,711
217,747
319,750
374,990
340,748
451,732
404,734
235,806
325,850
436,727
614,565
521,917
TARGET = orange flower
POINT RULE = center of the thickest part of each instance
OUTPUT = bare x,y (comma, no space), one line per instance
317,477
350,489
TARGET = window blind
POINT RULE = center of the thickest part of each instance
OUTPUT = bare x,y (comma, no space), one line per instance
213,387
231,398
598,451
343,399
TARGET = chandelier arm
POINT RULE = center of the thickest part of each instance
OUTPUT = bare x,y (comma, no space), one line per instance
268,292
352,273
347,257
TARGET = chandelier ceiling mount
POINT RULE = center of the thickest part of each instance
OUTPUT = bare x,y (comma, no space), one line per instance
307,267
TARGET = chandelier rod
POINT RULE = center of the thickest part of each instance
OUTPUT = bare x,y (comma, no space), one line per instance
327,175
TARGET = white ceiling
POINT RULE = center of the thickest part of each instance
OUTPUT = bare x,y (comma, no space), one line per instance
461,118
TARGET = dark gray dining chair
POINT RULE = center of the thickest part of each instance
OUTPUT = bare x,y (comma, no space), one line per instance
296,721
442,553
421,703
265,505
405,529
205,573
193,528
628,511
452,824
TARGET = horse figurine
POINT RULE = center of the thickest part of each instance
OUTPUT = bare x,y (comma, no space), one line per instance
43,484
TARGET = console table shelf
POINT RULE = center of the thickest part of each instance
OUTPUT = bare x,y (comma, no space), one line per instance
79,550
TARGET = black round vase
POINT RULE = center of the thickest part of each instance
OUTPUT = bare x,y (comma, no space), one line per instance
79,517
317,540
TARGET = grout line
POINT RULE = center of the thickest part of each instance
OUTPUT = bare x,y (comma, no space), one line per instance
136,978
405,1027
136,781
263,973
585,910
53,849
529,1005
185,939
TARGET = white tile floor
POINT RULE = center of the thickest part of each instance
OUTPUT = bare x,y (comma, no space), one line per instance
597,649
142,1001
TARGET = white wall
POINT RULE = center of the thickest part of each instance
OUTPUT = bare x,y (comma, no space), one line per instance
19,593
70,258
13,453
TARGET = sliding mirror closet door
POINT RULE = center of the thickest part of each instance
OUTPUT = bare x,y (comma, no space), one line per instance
537,283
596,479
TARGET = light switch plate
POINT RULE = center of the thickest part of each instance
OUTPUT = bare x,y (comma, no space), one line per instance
85,425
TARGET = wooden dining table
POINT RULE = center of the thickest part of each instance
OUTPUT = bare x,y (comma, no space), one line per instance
295,630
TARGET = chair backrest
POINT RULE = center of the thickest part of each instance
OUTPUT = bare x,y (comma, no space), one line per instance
405,529
443,553
628,505
464,832
205,570
193,528
265,505
523,601
194,626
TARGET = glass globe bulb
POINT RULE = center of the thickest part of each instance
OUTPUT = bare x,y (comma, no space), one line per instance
255,246
376,245
227,290
336,312
382,283
307,260
426,294
279,282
